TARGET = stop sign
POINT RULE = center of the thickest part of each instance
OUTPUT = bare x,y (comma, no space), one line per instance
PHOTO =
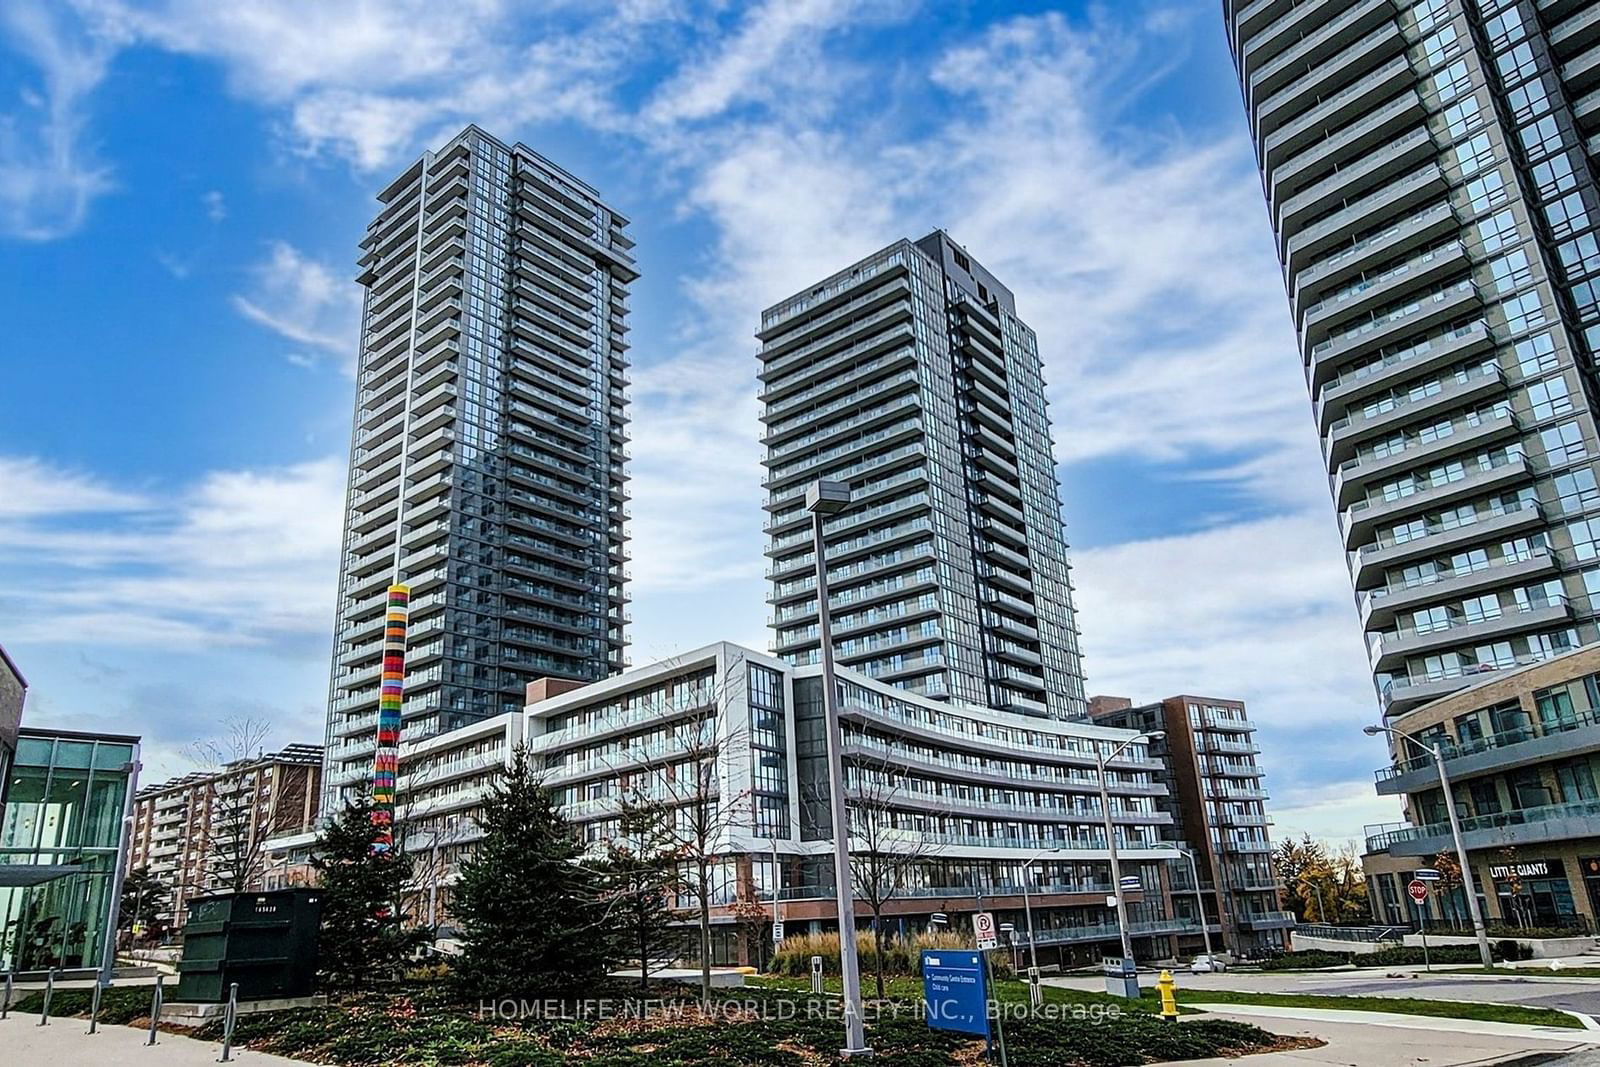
1417,890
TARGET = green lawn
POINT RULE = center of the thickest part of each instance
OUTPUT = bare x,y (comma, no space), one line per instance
1542,972
1439,1009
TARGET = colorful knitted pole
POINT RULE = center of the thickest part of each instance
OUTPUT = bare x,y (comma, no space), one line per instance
386,760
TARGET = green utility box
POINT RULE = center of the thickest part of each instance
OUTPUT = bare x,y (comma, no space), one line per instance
267,942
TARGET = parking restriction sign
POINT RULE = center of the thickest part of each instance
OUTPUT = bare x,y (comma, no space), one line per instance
983,927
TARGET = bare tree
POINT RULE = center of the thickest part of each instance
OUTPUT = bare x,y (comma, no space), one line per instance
235,839
685,775
882,855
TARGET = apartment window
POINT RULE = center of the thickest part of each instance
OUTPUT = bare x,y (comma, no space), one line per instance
1487,192
1517,65
1577,490
1564,443
1585,534
1528,100
1472,156
1581,256
1452,81
1541,138
1549,397
1497,231
1523,312
1567,215
1536,355
1511,271
1505,28
1554,175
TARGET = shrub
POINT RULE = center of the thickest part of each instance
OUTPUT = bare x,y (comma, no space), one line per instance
902,957
1511,950
1305,960
1412,955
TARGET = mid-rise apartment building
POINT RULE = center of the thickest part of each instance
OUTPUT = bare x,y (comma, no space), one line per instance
909,376
1217,797
487,462
1522,752
1429,175
977,800
200,833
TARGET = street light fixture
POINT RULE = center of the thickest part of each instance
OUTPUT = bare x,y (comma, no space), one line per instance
824,498
1468,886
1027,905
1111,835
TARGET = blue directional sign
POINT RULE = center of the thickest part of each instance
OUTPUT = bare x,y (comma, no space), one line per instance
953,992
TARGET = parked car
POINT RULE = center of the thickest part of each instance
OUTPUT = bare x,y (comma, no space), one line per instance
1207,965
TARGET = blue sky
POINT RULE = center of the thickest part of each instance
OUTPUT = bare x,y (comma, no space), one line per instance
183,183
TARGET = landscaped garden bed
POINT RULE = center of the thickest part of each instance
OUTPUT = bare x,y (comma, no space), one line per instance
763,1027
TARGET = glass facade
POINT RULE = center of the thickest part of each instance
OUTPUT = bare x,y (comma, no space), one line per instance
1429,177
910,377
64,805
487,466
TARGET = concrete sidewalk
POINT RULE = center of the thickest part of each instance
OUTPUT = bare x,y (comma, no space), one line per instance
67,1043
1362,1041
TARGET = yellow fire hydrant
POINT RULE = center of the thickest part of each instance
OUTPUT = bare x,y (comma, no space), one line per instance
1169,1000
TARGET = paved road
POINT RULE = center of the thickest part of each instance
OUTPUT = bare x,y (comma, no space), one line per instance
1573,995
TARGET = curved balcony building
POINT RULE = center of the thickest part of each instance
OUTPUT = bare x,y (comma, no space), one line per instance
1429,177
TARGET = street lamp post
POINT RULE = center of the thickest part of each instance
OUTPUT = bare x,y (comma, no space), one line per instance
1199,900
1027,906
825,498
1111,835
1468,885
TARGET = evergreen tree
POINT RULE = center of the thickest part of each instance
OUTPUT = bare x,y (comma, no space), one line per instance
365,936
144,898
530,913
641,879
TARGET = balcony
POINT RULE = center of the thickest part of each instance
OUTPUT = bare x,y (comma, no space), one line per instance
1572,35
1359,520
1434,265
1396,367
1537,742
1388,651
1325,235
1269,920
1355,475
1378,607
1369,562
1384,41
1417,316
1432,222
1320,45
1404,153
1335,111
1527,826
1345,146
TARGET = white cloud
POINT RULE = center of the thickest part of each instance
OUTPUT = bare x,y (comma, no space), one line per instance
776,42
305,301
48,176
240,557
371,82
30,487
215,204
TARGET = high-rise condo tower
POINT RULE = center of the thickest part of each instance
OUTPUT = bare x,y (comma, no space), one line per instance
909,376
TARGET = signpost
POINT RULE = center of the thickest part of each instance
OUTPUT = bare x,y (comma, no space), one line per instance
983,927
777,932
1417,890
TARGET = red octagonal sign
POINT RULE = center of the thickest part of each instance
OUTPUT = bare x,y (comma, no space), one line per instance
1417,890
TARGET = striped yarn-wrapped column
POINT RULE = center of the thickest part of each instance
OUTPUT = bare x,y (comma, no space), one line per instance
386,760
